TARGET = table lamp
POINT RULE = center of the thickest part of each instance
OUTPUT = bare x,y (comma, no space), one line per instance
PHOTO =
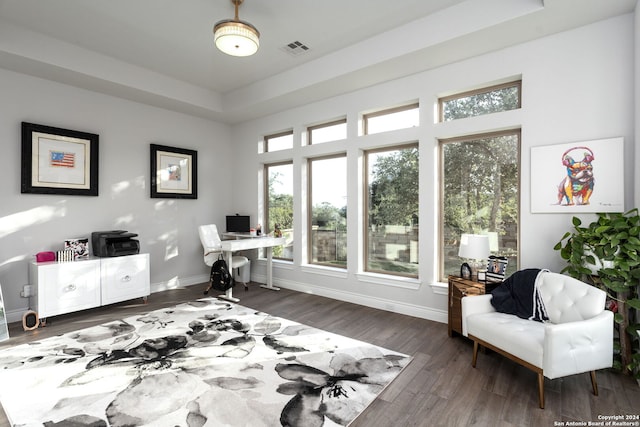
475,248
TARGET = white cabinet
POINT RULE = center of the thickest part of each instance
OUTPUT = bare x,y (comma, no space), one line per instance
124,278
64,287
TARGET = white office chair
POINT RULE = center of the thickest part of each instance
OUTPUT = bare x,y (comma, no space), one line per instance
213,249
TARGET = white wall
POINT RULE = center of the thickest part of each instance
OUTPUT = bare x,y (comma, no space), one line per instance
30,223
636,73
577,86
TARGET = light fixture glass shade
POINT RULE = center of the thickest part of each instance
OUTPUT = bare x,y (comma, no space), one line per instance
236,38
474,246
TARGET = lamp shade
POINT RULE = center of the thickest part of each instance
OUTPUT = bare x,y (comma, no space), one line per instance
236,38
474,246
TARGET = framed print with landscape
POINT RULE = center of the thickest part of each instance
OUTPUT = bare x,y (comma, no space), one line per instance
59,161
174,172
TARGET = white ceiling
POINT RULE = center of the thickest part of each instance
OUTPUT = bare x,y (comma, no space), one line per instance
161,52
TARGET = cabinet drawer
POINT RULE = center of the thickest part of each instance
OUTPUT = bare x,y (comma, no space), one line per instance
67,287
125,278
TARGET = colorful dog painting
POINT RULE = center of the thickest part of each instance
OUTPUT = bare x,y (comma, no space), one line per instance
577,187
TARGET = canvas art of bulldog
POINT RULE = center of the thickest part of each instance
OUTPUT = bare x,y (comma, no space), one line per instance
577,187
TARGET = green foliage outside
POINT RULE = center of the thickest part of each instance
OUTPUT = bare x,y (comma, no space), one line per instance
480,190
280,212
393,190
393,211
503,99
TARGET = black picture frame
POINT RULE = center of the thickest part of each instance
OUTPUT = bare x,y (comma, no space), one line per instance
465,271
59,161
174,172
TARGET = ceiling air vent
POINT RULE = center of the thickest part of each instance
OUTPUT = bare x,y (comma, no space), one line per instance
296,48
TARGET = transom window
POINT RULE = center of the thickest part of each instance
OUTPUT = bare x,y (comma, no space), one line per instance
480,187
487,100
332,131
278,141
392,119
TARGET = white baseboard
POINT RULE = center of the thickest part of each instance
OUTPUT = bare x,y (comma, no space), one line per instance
178,283
373,302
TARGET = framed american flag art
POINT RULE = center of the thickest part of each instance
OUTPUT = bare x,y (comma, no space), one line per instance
59,161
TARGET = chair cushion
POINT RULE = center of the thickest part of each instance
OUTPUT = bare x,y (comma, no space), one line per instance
519,337
238,261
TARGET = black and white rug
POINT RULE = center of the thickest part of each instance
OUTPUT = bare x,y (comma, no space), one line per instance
204,363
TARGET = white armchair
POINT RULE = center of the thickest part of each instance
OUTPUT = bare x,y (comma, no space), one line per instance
212,246
577,338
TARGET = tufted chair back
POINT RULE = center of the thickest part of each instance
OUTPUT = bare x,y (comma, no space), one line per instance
569,300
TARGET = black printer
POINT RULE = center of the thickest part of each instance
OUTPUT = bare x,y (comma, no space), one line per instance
114,243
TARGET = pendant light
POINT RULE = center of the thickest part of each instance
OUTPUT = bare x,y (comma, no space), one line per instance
235,37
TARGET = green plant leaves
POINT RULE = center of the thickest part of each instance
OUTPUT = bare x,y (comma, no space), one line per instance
611,247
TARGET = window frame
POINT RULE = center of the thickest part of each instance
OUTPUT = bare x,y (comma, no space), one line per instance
479,91
441,274
365,208
385,112
265,192
310,161
310,129
266,139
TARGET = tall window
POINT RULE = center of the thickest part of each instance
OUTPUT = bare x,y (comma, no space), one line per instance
279,209
328,211
278,141
326,132
392,211
392,119
487,100
480,189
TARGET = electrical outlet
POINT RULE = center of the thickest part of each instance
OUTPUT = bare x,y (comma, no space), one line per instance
26,291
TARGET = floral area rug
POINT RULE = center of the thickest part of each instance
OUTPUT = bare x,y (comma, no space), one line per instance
204,363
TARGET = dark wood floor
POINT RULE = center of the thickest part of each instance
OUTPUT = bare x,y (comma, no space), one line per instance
438,388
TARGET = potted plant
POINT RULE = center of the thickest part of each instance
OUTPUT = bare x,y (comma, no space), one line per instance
606,254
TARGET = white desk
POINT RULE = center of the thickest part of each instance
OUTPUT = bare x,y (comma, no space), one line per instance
244,241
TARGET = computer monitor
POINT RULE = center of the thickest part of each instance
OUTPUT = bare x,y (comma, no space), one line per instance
238,223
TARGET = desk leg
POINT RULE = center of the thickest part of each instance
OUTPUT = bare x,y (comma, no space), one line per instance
269,284
228,295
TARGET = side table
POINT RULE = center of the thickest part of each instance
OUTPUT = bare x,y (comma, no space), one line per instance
458,289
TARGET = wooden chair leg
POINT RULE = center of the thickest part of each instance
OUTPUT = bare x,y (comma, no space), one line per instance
594,384
541,389
475,354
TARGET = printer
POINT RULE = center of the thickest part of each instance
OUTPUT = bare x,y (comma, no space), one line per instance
114,243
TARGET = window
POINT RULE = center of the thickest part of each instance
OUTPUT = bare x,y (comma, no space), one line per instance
279,141
396,118
487,100
391,227
328,211
480,188
279,209
326,132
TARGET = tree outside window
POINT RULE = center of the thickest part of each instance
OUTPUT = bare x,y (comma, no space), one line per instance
480,195
392,211
328,211
280,206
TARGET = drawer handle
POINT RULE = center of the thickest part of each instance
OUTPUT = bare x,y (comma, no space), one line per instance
126,278
70,288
